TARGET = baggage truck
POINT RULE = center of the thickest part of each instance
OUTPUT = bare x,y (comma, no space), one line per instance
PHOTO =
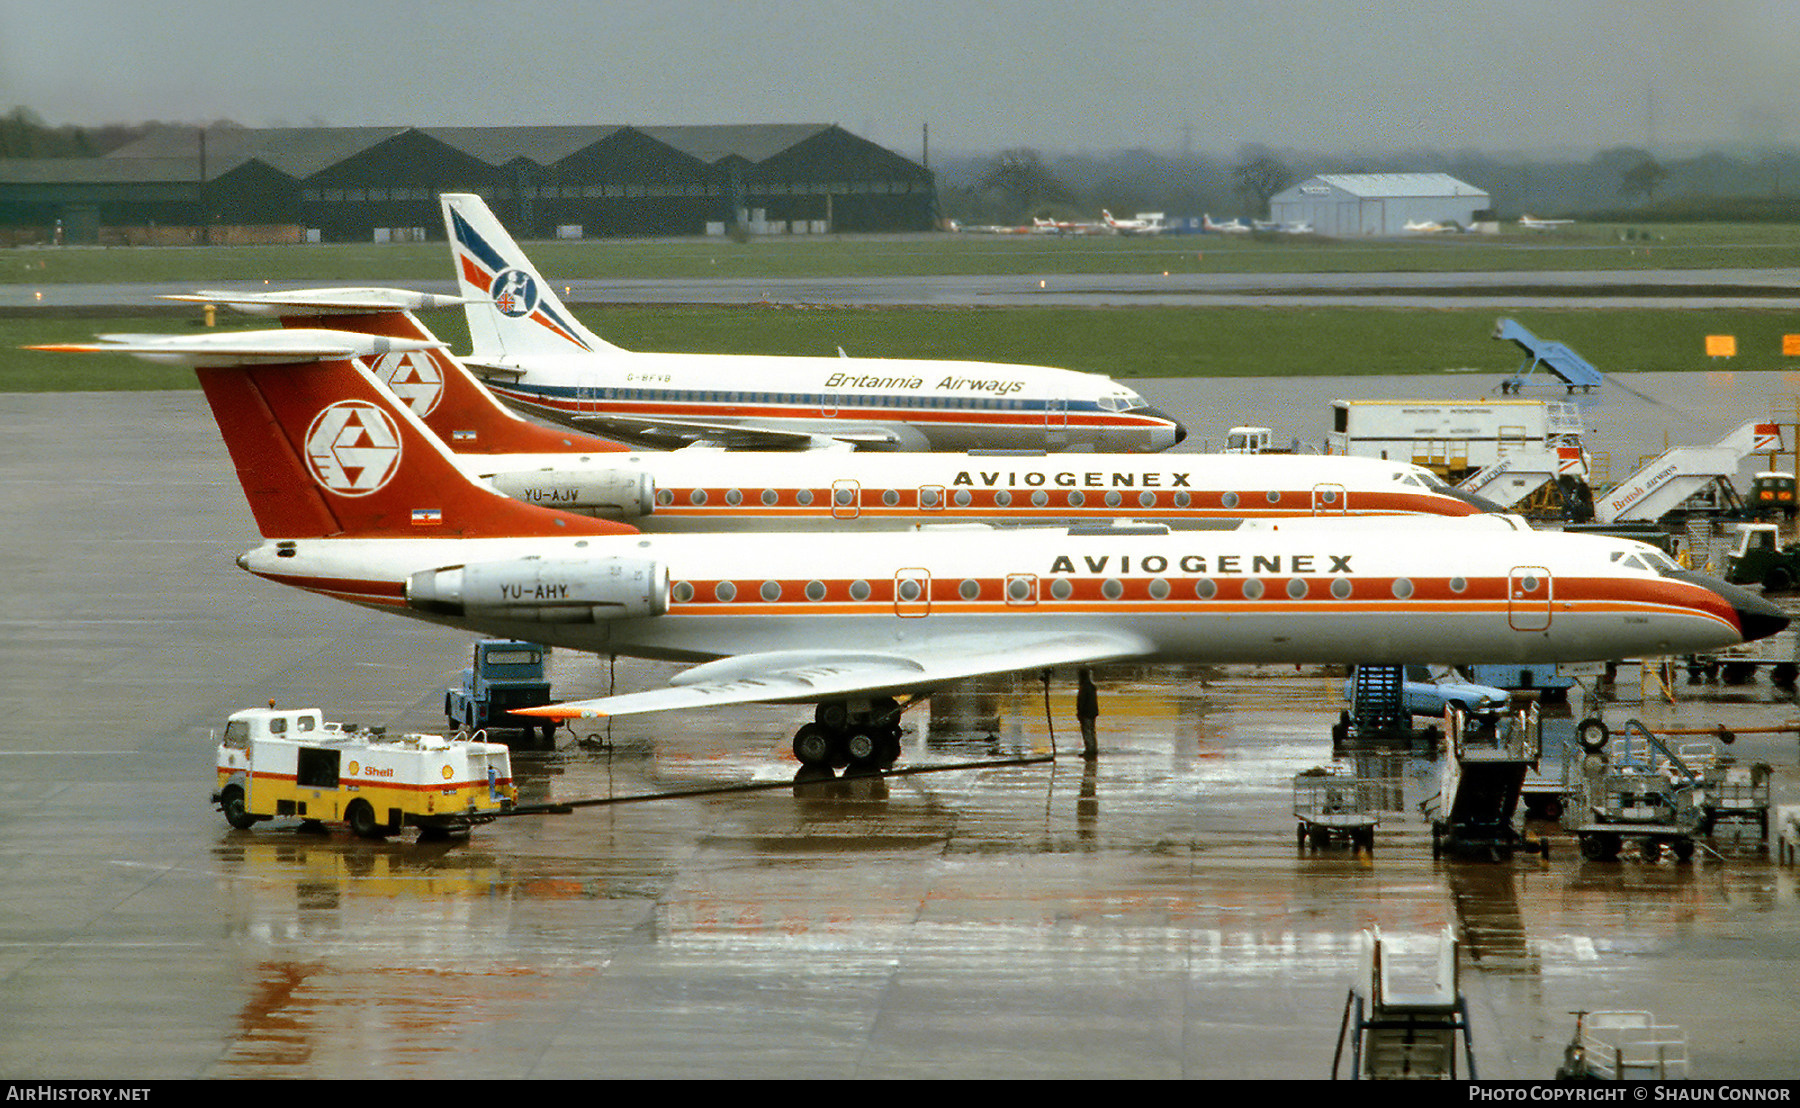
1453,438
292,763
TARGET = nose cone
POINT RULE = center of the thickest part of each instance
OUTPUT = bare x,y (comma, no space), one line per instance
1756,617
1161,438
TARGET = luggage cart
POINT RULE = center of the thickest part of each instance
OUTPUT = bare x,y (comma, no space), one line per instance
1624,1046
1334,807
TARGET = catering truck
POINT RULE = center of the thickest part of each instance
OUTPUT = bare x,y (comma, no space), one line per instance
291,763
1453,438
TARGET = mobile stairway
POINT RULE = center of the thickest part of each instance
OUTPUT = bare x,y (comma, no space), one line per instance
1481,778
1405,1022
1536,481
1674,477
1377,715
1569,368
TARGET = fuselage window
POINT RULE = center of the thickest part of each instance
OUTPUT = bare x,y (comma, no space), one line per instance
1003,499
1205,589
1113,499
1459,584
815,590
970,589
963,499
1253,589
1340,588
1229,500
665,497
1159,589
770,498
771,590
682,592
1076,499
891,498
859,590
1113,589
1061,589
733,497
928,498
1403,589
1272,496
725,591
1296,589
804,498
1182,500
697,497
1040,498
909,589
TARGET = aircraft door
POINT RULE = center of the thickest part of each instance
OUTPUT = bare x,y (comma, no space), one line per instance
932,497
912,593
1056,413
1528,594
846,500
828,403
1330,500
1021,590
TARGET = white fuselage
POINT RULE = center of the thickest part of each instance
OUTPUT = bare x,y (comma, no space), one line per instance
894,404
700,489
1472,590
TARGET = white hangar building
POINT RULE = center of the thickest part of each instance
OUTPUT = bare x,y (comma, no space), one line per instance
1348,205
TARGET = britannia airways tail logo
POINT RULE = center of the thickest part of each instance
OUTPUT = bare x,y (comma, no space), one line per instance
514,292
353,448
415,378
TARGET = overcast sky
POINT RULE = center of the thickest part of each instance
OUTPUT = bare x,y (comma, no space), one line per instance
1497,75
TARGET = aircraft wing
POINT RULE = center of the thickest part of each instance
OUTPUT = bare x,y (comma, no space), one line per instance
813,675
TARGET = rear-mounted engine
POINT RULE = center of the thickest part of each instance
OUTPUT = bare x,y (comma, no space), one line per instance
546,591
616,493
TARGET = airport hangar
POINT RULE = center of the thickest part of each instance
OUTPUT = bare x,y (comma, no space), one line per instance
1352,205
231,185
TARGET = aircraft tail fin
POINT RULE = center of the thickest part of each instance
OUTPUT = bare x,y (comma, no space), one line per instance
324,449
512,310
457,407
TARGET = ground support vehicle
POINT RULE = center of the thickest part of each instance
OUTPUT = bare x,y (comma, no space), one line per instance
504,675
1481,780
291,763
1406,1022
1616,791
1335,808
1772,494
1624,1046
1761,558
1451,438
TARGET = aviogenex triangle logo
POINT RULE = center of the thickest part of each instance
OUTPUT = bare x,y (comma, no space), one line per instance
353,448
414,377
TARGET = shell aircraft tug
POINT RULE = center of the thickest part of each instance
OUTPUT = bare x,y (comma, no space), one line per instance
357,499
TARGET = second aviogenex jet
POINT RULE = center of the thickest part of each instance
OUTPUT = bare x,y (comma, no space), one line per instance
532,351
702,488
357,500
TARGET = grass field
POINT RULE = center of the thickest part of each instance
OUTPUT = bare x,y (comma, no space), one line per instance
1151,341
1596,246
1124,342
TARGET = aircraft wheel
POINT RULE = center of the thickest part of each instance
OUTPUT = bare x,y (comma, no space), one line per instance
361,817
1591,733
863,747
833,715
812,745
232,801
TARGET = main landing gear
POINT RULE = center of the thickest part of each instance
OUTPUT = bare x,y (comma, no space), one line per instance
859,734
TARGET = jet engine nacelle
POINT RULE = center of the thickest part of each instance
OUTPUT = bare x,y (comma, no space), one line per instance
544,590
619,493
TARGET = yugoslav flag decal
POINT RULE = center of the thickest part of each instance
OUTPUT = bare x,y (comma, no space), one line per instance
414,377
353,448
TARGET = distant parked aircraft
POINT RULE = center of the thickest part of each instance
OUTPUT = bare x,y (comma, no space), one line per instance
1533,224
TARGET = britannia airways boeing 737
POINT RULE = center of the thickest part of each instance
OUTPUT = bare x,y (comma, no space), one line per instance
537,356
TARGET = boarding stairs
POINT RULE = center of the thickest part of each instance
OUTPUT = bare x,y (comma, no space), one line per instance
1405,1022
1571,369
1481,779
1513,480
1377,704
1676,475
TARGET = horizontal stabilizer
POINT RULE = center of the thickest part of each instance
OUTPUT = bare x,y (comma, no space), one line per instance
244,347
332,301
814,675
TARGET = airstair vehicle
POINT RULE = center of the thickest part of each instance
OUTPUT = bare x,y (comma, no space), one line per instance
1406,1021
1568,368
1535,480
1684,473
1481,779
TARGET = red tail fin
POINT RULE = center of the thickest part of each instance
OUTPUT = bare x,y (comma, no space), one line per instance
458,408
322,449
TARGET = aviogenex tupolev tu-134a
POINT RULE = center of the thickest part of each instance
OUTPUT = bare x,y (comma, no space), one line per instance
696,488
534,353
356,499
